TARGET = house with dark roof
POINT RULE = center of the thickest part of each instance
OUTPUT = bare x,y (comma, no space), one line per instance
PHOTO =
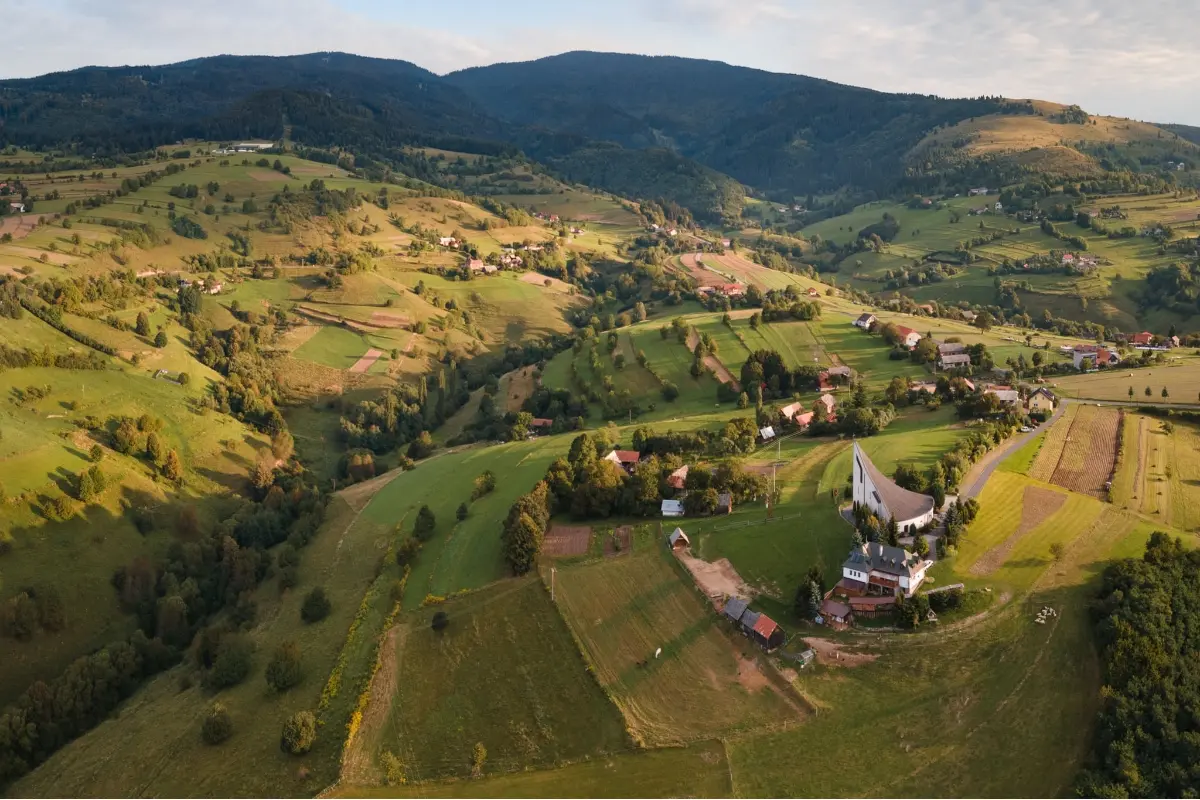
734,608
836,612
880,495
725,503
1041,399
877,569
954,361
865,321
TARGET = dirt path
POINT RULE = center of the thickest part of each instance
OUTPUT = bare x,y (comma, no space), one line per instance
366,361
1139,477
1037,506
358,767
837,654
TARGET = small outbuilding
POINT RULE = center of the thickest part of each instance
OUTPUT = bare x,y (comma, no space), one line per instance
672,508
734,608
725,503
678,539
837,612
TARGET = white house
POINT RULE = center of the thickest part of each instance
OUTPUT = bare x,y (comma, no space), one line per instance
865,321
877,569
880,494
908,336
767,433
19,208
672,508
448,241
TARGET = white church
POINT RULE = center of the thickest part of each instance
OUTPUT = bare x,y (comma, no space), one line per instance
885,499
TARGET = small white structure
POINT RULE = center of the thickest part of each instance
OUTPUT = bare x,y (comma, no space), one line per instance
672,508
908,336
448,241
767,433
865,321
880,495
678,539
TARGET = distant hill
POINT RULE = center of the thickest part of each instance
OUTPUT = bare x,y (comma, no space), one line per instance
692,132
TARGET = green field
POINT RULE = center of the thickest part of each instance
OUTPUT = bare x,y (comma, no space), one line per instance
504,673
705,682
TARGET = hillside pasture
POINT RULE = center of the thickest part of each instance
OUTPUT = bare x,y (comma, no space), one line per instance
1180,377
705,683
504,673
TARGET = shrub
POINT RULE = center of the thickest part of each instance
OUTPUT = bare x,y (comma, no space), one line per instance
407,550
462,512
425,525
316,606
440,621
217,726
284,672
232,664
299,733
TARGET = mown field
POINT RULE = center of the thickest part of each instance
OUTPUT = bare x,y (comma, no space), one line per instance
504,673
1159,472
705,682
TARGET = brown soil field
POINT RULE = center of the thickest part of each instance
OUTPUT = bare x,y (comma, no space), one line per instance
624,535
1037,506
1090,452
518,386
564,540
692,265
717,579
382,320
744,269
19,225
831,654
368,358
60,259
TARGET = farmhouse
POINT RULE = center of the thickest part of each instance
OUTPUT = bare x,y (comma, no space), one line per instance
756,625
880,495
678,478
954,361
17,207
880,570
790,410
865,321
951,348
841,374
979,191
732,289
541,423
1068,258
1099,356
725,243
871,607
908,336
1041,400
448,241
803,420
672,508
1143,338
625,459
1007,396
734,608
678,539
828,401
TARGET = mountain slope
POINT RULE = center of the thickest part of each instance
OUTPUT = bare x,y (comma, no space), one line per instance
787,133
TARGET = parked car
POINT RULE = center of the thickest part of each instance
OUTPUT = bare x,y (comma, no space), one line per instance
1026,429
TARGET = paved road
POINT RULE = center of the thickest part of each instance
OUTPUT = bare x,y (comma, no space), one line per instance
996,457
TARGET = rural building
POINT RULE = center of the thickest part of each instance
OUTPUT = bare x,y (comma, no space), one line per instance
732,289
1144,338
448,241
951,348
979,191
1099,356
767,433
836,612
17,207
790,410
871,607
1006,396
969,316
734,608
678,539
954,361
678,478
908,337
1041,400
541,422
923,386
625,459
880,495
725,243
803,420
842,374
672,508
761,629
865,321
828,401
725,503
876,569
1068,258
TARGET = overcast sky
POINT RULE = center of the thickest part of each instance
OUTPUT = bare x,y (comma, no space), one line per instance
1135,59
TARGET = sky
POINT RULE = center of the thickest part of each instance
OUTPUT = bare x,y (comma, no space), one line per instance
1130,59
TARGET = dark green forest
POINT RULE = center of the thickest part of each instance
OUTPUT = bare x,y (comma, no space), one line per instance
1147,739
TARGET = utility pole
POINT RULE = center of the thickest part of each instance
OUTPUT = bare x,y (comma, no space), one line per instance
552,570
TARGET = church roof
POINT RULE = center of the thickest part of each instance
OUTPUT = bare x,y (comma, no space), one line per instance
900,503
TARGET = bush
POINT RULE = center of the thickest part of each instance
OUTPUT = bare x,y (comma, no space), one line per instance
407,550
299,733
462,512
235,657
316,606
283,672
425,525
218,725
440,621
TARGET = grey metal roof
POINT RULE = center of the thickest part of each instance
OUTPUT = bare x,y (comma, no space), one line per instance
874,556
750,618
735,607
900,503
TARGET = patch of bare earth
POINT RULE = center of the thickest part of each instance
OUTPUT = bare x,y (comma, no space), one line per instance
383,320
713,363
358,495
1037,505
368,358
538,279
750,676
836,654
562,541
19,225
619,541
717,579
